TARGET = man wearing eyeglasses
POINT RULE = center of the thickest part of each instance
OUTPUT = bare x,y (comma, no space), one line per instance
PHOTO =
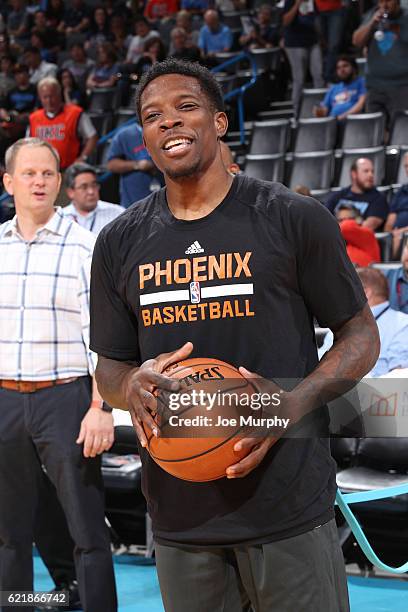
86,208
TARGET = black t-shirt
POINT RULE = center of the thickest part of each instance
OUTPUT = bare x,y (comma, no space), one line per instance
371,203
284,259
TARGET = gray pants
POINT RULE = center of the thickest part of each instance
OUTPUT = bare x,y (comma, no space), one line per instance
302,58
305,573
388,101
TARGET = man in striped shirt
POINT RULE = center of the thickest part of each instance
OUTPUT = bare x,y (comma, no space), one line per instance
86,208
50,416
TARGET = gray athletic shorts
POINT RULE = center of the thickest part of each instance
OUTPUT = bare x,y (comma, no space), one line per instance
305,573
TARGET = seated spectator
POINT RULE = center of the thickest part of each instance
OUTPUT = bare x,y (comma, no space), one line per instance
17,105
392,325
154,51
214,37
85,206
127,156
136,46
65,126
361,244
55,13
53,40
385,33
362,194
18,22
105,71
184,20
397,220
98,30
39,68
180,48
194,7
156,10
71,93
7,81
346,97
76,18
302,46
263,33
79,64
398,282
119,35
37,40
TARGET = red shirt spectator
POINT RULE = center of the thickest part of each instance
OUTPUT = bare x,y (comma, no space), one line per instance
158,9
361,243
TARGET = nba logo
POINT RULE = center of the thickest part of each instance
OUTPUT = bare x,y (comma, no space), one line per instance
195,295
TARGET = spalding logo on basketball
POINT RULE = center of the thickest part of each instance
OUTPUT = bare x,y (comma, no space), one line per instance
200,425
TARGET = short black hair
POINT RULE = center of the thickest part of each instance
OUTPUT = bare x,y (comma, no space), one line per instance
75,170
349,59
207,81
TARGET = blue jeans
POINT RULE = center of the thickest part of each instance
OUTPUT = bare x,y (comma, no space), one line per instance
331,24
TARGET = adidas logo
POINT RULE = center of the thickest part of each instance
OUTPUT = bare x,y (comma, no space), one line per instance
194,248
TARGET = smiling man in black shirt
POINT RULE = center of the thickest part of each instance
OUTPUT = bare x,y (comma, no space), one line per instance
264,262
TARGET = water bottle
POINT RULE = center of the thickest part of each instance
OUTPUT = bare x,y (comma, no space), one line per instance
382,26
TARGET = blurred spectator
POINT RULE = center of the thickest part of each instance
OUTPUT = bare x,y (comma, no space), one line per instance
98,30
37,40
18,22
7,81
332,18
226,6
398,282
262,33
214,36
85,207
39,68
346,97
303,190
17,105
302,46
71,93
128,157
184,20
105,71
397,220
55,13
362,194
361,243
136,46
79,64
194,7
392,325
65,126
385,33
154,51
52,39
76,18
119,36
5,46
180,48
155,10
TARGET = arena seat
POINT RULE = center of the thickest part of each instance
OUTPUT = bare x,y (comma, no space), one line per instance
232,19
269,137
315,134
223,56
401,176
266,59
365,130
384,240
226,81
311,98
103,100
376,154
102,122
399,129
314,169
265,167
361,63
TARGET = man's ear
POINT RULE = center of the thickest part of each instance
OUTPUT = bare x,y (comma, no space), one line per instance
221,124
8,183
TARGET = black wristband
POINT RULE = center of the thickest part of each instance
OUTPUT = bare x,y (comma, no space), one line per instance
106,407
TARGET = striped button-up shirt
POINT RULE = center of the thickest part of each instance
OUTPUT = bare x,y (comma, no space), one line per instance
94,221
44,301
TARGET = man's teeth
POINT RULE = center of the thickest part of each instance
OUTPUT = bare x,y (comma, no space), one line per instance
175,143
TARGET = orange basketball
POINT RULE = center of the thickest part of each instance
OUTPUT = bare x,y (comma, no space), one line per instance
197,438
